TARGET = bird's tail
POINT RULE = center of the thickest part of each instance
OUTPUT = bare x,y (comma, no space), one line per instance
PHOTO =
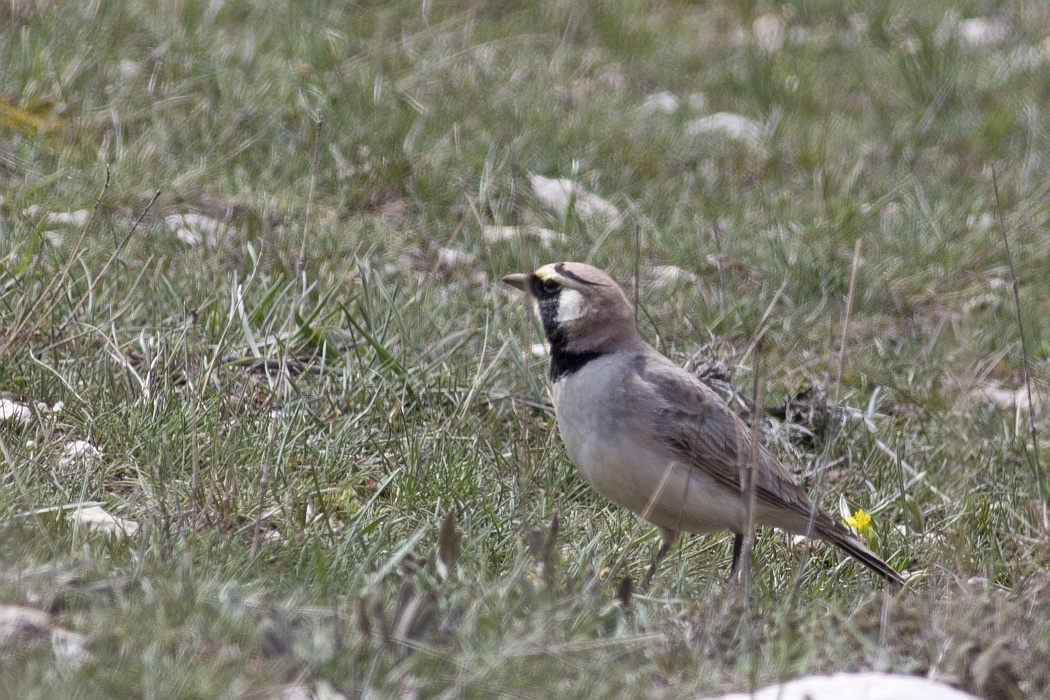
830,531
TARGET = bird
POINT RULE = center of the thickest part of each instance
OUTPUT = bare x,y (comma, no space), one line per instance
650,436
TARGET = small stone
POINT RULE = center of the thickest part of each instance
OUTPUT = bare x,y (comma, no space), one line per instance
19,624
450,257
664,102
561,194
69,218
546,237
78,450
195,229
981,32
769,33
732,126
539,350
97,519
669,274
870,686
14,412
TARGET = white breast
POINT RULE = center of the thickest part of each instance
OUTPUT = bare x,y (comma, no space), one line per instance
609,441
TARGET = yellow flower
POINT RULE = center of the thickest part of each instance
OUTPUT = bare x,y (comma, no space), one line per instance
603,574
859,521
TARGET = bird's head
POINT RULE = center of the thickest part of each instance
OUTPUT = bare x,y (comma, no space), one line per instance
582,309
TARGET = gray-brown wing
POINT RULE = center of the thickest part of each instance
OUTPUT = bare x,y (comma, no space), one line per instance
694,422
697,425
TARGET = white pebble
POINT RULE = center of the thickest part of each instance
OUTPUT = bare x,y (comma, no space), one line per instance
856,686
78,450
14,412
558,194
732,126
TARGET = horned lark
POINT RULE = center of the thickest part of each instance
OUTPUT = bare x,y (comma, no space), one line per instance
650,436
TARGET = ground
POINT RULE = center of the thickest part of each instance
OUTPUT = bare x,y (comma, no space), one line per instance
250,305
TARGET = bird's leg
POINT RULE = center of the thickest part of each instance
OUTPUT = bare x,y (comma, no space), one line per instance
660,553
668,537
738,547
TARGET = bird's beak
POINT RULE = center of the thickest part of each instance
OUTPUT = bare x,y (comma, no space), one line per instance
519,280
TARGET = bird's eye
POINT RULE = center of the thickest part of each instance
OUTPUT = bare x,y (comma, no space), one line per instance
550,286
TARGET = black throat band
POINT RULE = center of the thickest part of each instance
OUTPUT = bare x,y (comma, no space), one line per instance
564,363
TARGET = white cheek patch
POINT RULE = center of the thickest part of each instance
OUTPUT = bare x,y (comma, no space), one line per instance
570,305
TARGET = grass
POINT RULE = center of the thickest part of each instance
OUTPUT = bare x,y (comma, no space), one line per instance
290,524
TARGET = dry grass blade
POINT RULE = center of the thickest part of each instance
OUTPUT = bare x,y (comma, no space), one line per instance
112,258
1026,365
449,545
550,549
625,591
17,337
818,486
748,482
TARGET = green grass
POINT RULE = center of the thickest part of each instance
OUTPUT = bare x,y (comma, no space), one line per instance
289,525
